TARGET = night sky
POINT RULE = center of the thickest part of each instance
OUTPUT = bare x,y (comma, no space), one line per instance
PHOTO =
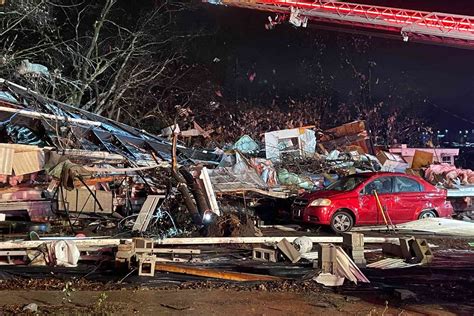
284,58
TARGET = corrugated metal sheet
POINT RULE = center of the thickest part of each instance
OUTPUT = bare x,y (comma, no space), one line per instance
6,160
28,162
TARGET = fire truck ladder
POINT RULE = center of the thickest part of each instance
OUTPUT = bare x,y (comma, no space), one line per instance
411,24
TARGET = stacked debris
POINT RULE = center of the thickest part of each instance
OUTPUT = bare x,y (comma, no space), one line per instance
449,176
63,165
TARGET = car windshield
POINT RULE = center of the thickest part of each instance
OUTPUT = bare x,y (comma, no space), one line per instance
346,183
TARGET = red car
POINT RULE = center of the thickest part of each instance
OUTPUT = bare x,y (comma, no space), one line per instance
350,201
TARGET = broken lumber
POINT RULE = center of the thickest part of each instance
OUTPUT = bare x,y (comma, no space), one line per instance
212,273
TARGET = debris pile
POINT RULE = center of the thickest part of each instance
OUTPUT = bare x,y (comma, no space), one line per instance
90,191
449,176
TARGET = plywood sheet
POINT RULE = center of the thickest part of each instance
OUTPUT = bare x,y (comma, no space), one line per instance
6,160
28,162
80,200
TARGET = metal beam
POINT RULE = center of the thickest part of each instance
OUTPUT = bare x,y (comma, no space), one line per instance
409,23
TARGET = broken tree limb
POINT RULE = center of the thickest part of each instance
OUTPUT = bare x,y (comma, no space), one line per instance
182,186
188,201
212,273
196,190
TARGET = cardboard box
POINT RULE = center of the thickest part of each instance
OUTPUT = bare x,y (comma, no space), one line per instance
421,159
383,156
391,162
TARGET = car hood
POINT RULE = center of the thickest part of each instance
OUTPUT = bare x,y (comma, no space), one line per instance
325,194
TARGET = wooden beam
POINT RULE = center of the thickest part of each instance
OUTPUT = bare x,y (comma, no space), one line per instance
168,251
103,242
212,273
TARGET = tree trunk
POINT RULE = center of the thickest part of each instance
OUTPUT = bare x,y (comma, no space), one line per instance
196,190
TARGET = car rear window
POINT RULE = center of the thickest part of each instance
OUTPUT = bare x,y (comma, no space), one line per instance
381,185
403,184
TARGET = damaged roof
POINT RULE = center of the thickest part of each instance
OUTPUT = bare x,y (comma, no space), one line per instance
26,117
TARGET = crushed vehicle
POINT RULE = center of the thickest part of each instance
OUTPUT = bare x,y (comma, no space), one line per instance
371,198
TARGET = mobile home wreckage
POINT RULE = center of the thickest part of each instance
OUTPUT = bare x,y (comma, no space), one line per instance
80,189
61,165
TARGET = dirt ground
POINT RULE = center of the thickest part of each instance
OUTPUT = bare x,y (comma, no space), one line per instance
203,302
445,287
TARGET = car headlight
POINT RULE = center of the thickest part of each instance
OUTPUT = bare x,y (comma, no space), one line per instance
320,202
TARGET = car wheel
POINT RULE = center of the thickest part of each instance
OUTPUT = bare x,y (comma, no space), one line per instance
341,222
427,214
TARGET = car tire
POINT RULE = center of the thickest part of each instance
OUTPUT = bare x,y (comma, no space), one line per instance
427,214
341,222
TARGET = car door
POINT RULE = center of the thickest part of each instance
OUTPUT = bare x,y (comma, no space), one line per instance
369,213
407,199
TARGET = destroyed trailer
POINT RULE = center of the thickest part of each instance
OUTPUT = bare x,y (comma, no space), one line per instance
63,168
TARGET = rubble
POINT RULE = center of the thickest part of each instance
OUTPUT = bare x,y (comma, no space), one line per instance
108,193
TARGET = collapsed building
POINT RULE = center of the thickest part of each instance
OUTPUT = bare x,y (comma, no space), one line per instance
79,185
66,170
60,163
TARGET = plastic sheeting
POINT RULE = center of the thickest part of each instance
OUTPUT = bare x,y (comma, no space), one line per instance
241,176
246,145
292,179
64,253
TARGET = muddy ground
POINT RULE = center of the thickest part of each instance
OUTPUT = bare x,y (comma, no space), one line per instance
207,302
445,287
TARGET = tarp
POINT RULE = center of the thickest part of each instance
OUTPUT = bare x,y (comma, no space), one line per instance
246,145
61,168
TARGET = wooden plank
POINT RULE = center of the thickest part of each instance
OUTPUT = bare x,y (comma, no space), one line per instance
94,181
168,251
18,148
94,155
271,193
146,212
13,253
212,273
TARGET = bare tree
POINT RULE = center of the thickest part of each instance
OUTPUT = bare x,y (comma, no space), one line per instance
96,56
